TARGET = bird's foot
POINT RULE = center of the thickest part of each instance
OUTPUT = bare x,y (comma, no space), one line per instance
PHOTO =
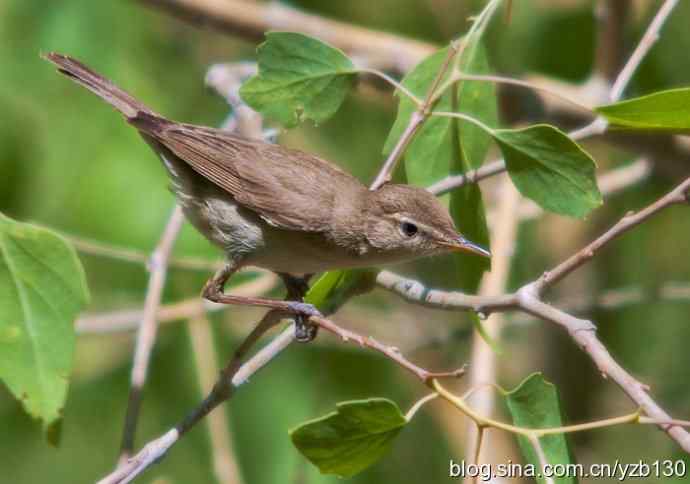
305,331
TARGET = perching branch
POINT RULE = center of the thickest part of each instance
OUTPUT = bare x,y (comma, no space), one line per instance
527,299
146,335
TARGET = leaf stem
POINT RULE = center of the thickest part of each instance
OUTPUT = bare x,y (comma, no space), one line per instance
465,117
397,85
482,421
461,76
419,404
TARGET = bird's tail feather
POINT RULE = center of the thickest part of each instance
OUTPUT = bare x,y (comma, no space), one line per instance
132,109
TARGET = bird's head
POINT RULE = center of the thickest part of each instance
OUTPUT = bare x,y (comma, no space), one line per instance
409,222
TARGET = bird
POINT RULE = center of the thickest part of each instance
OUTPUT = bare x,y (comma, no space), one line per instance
278,208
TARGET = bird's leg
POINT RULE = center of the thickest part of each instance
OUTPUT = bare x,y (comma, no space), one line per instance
297,287
213,291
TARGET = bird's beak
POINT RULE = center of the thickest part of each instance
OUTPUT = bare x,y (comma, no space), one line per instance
461,243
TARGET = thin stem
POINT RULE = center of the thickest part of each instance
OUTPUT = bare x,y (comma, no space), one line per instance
146,336
631,220
416,120
478,449
419,404
464,117
135,256
541,456
461,76
157,448
648,40
397,85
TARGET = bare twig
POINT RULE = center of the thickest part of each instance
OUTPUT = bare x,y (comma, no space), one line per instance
381,50
611,18
224,463
146,336
391,352
416,120
130,319
526,299
134,256
675,196
648,40
483,358
461,76
541,456
156,449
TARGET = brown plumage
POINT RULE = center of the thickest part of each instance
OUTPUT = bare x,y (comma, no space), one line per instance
280,208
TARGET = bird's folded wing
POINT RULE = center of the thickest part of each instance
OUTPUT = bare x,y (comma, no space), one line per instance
288,188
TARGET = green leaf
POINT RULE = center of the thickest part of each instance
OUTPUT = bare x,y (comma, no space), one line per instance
299,78
535,404
665,111
352,438
550,168
335,288
42,289
467,210
478,99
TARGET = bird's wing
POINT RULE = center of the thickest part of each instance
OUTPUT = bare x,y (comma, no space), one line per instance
288,188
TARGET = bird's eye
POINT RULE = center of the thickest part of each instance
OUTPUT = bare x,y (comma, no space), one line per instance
409,229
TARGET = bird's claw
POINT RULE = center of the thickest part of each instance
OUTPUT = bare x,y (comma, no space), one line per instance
305,331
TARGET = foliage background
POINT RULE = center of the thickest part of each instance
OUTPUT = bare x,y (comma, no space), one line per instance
68,162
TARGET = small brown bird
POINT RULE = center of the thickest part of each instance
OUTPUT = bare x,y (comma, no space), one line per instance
278,208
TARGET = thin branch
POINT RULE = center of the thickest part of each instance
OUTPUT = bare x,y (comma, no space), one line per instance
465,117
390,352
436,90
250,19
483,357
648,40
541,456
611,19
676,196
416,120
461,76
672,291
135,256
396,85
419,404
156,449
146,336
224,462
130,319
526,299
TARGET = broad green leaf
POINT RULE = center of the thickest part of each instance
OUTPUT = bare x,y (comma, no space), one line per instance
478,99
299,78
535,404
335,288
665,110
352,438
550,168
42,289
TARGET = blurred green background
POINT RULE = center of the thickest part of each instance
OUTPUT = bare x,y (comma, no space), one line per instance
68,161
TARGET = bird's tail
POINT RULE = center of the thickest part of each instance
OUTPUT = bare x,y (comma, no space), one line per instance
132,109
